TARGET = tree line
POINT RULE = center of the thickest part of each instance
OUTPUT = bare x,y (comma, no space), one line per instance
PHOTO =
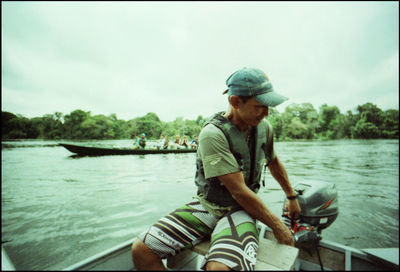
298,121
80,125
302,121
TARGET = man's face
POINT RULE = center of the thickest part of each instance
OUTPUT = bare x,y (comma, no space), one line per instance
252,112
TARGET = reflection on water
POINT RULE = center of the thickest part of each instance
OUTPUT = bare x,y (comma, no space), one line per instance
58,209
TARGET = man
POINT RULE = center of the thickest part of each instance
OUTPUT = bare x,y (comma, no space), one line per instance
184,142
161,142
233,147
194,143
140,142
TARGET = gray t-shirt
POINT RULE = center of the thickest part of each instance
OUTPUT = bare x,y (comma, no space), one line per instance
218,160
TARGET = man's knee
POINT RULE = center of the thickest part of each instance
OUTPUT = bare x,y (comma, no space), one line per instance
216,266
136,247
142,255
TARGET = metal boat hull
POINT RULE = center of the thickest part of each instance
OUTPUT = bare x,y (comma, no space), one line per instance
334,256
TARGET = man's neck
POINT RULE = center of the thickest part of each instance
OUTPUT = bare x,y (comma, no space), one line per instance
235,119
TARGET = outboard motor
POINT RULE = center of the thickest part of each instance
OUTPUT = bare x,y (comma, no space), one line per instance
318,201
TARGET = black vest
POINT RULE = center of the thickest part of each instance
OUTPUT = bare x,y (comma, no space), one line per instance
250,158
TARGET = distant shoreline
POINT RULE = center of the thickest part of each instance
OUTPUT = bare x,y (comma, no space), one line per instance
298,121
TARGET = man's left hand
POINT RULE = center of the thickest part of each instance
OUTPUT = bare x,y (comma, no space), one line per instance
293,209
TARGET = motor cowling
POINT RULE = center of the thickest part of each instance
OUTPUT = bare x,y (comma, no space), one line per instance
318,201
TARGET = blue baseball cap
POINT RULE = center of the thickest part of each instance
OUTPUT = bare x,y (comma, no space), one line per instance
253,82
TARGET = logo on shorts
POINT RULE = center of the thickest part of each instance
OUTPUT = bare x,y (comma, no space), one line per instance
250,251
172,242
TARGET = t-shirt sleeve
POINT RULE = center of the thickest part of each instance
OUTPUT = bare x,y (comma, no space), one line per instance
269,147
215,153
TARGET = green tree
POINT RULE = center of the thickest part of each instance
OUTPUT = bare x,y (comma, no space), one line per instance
276,122
10,126
371,113
16,127
390,127
105,128
50,126
89,129
349,123
370,122
191,128
297,121
200,120
297,129
7,124
365,129
72,124
168,129
328,121
149,124
119,127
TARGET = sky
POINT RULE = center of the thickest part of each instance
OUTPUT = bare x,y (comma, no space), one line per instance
173,58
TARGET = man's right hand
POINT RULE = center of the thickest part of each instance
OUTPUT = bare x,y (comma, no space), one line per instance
283,234
254,206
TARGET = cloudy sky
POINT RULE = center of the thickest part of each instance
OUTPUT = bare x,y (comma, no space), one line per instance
172,58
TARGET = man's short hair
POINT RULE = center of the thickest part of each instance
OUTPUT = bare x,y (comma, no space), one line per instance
243,98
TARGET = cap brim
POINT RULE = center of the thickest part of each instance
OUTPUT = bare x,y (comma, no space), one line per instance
270,99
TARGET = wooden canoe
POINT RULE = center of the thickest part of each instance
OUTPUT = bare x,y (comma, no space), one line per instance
103,151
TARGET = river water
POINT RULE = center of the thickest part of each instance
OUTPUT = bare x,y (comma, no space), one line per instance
59,209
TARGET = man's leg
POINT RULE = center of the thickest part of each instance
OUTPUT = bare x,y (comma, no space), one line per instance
234,243
144,258
183,228
216,266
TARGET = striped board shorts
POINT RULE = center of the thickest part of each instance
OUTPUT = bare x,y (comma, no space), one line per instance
234,236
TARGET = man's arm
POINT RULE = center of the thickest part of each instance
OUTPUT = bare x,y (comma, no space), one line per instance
278,171
254,206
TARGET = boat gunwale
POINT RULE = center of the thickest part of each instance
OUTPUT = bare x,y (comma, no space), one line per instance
104,151
97,258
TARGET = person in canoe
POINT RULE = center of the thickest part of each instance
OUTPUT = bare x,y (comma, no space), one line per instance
164,142
161,142
140,142
176,144
184,142
177,140
233,147
194,143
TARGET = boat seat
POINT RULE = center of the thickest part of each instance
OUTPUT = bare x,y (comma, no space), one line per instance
271,255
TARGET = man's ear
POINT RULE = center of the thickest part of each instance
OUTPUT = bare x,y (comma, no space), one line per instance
235,101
